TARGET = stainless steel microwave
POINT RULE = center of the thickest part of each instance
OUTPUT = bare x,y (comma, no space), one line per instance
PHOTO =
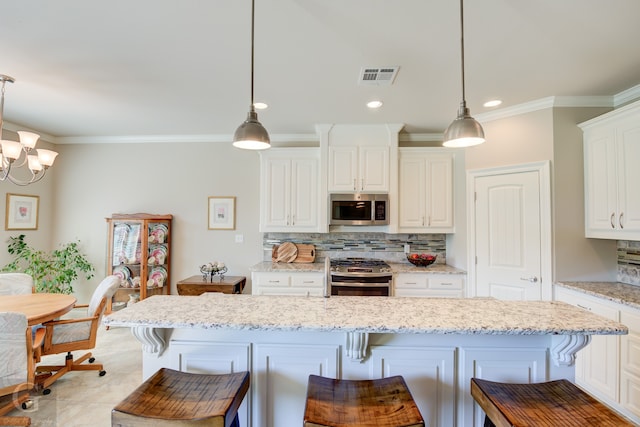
359,209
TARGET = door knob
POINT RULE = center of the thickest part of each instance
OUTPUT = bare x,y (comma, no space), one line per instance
532,279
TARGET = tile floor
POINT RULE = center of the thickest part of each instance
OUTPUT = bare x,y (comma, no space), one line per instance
84,399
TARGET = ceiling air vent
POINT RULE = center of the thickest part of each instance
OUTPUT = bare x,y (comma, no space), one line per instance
381,76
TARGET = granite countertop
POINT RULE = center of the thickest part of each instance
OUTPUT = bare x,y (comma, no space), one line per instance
473,316
318,267
620,293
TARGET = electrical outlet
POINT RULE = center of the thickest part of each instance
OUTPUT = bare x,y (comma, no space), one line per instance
407,248
239,238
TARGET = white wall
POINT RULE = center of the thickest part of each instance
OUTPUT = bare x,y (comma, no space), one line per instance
553,135
96,180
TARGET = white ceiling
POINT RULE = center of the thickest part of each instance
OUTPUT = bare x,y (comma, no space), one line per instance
182,67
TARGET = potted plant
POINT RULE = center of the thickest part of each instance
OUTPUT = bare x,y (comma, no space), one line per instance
52,271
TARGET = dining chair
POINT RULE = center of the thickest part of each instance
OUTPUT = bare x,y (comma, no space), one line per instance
17,366
16,284
70,334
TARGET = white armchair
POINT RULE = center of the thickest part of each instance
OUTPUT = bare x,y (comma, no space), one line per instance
17,365
69,334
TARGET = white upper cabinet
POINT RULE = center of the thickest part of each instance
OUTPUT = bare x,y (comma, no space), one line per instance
358,169
360,158
611,158
425,191
289,190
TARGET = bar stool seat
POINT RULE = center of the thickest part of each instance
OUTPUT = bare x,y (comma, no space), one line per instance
385,402
552,404
173,398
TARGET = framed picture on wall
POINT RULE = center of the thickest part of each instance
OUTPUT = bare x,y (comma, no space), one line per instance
222,213
21,212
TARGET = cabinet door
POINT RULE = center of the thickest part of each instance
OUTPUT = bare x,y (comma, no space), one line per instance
214,358
600,183
276,193
596,364
426,191
439,178
628,158
429,374
630,363
373,169
343,169
280,376
304,194
412,192
527,365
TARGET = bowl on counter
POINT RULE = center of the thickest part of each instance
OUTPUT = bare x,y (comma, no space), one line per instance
421,260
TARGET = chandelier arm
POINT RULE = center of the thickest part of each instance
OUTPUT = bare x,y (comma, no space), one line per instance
35,177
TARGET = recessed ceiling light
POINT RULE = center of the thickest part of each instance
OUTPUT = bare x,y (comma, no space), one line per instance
260,105
492,103
374,104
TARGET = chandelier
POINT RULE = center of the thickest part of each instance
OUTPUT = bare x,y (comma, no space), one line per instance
15,154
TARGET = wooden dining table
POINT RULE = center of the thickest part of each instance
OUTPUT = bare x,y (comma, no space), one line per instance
38,307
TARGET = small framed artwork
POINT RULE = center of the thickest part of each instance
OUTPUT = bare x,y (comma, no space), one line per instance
22,212
222,213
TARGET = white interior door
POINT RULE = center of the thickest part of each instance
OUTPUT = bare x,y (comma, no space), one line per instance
508,239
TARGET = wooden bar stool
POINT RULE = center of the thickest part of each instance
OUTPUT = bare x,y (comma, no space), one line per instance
173,398
552,404
384,402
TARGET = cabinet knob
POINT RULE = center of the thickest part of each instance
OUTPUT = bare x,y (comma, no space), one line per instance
355,187
620,220
613,217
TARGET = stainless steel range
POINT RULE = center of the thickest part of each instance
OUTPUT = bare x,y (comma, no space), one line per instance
360,276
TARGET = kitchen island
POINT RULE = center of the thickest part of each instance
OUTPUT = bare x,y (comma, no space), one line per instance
436,344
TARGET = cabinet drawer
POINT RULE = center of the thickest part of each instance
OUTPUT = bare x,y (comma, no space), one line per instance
307,280
588,303
273,279
411,281
449,282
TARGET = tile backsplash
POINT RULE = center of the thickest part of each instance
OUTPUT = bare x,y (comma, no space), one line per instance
629,262
389,247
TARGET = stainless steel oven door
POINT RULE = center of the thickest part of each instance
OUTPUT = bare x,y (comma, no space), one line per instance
359,286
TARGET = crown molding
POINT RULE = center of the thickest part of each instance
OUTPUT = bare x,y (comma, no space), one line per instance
626,96
545,103
150,139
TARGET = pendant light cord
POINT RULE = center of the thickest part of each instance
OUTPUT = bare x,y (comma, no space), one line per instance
253,7
462,48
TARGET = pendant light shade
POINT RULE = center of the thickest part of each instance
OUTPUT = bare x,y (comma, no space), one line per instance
251,135
464,131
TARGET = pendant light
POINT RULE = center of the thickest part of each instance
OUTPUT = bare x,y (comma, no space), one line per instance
251,135
464,131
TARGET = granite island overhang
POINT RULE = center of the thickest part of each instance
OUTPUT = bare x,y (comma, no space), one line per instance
439,342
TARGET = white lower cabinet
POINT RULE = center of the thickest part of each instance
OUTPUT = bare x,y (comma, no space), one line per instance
502,365
281,384
429,374
429,285
597,364
630,363
609,367
215,358
292,283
